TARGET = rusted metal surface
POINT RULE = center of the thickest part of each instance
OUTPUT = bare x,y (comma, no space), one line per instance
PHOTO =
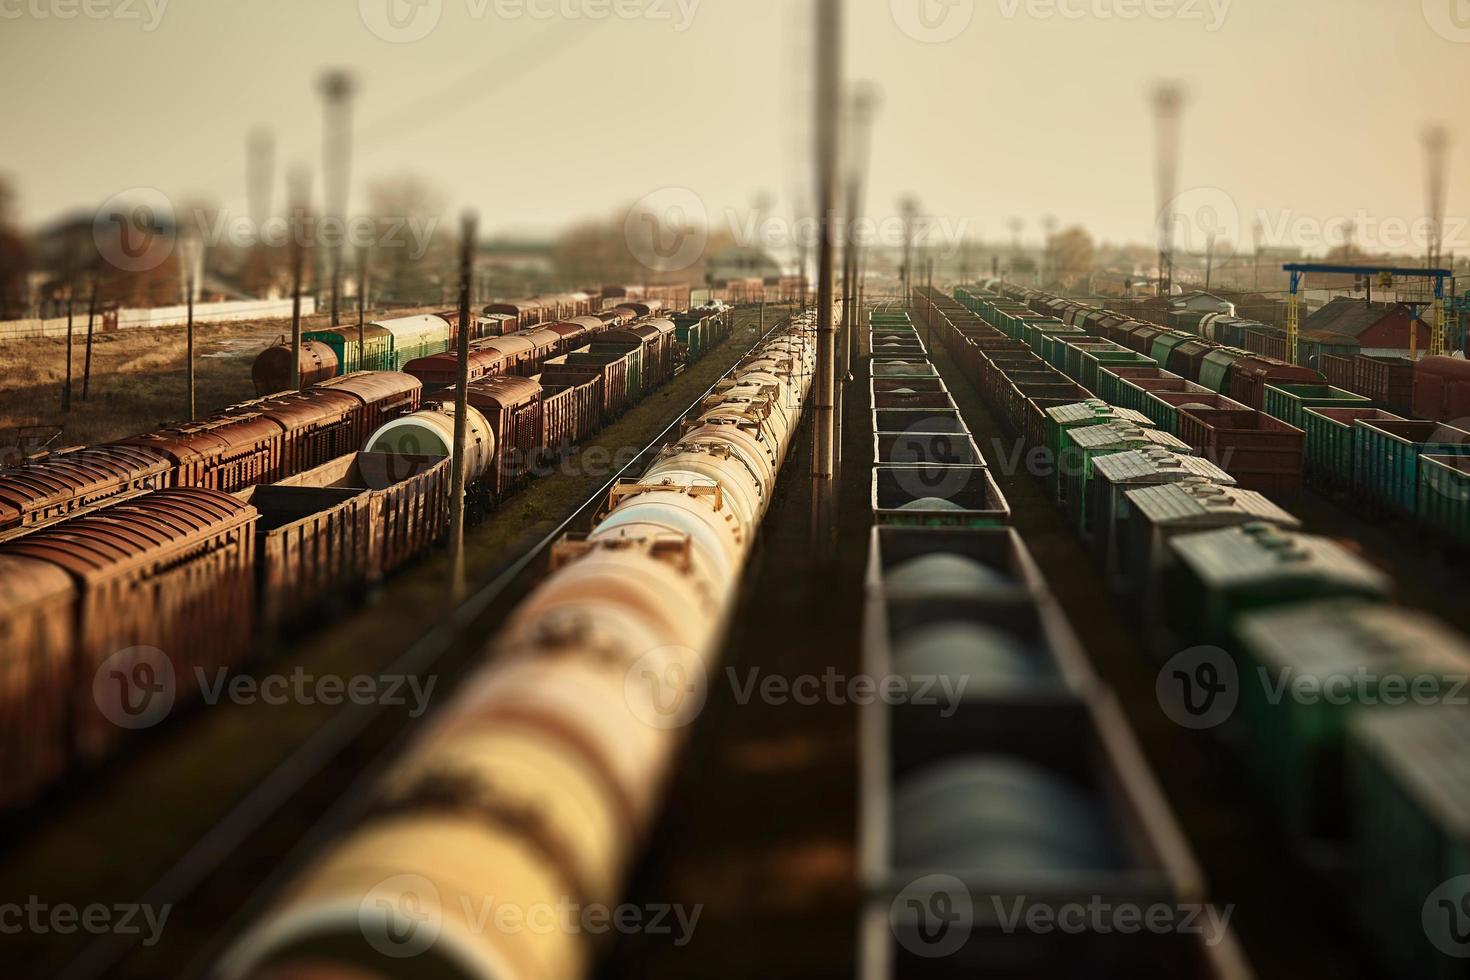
272,369
63,485
163,585
512,406
36,633
225,452
313,543
384,395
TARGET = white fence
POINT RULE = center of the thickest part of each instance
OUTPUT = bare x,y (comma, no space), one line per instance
158,316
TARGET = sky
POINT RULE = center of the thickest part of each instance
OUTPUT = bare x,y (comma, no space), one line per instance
540,113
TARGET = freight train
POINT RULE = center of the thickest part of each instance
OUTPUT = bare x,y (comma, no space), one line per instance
391,344
166,552
259,441
536,787
1357,437
1023,784
1226,587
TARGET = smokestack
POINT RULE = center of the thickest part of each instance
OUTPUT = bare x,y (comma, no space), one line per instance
336,87
1167,101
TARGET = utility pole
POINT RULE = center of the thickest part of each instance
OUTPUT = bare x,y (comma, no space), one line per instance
828,89
71,288
188,256
299,190
461,412
1209,257
91,318
860,114
336,88
362,288
909,208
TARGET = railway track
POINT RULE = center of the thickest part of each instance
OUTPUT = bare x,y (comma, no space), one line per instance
312,787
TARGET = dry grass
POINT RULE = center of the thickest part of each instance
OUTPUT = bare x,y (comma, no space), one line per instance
139,378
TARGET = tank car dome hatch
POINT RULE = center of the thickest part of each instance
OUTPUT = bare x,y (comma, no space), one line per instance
430,432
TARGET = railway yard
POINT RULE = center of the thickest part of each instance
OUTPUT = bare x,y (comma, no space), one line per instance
951,398
476,504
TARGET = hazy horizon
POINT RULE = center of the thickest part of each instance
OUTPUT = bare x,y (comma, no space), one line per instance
540,122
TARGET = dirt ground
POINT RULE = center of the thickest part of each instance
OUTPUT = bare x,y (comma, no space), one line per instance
139,379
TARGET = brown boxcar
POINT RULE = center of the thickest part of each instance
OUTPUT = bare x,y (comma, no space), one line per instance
639,310
571,410
618,316
512,406
1389,381
526,312
574,332
545,344
1442,389
272,369
1250,375
1185,360
319,423
165,593
63,485
439,371
37,602
384,395
1341,372
226,452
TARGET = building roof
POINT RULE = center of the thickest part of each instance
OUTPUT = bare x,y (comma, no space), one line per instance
1347,317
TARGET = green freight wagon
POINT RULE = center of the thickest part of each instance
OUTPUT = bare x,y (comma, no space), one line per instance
1109,510
1060,419
1410,796
1308,669
1224,573
1286,400
1386,458
1165,343
1087,444
1159,513
1327,453
1444,496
